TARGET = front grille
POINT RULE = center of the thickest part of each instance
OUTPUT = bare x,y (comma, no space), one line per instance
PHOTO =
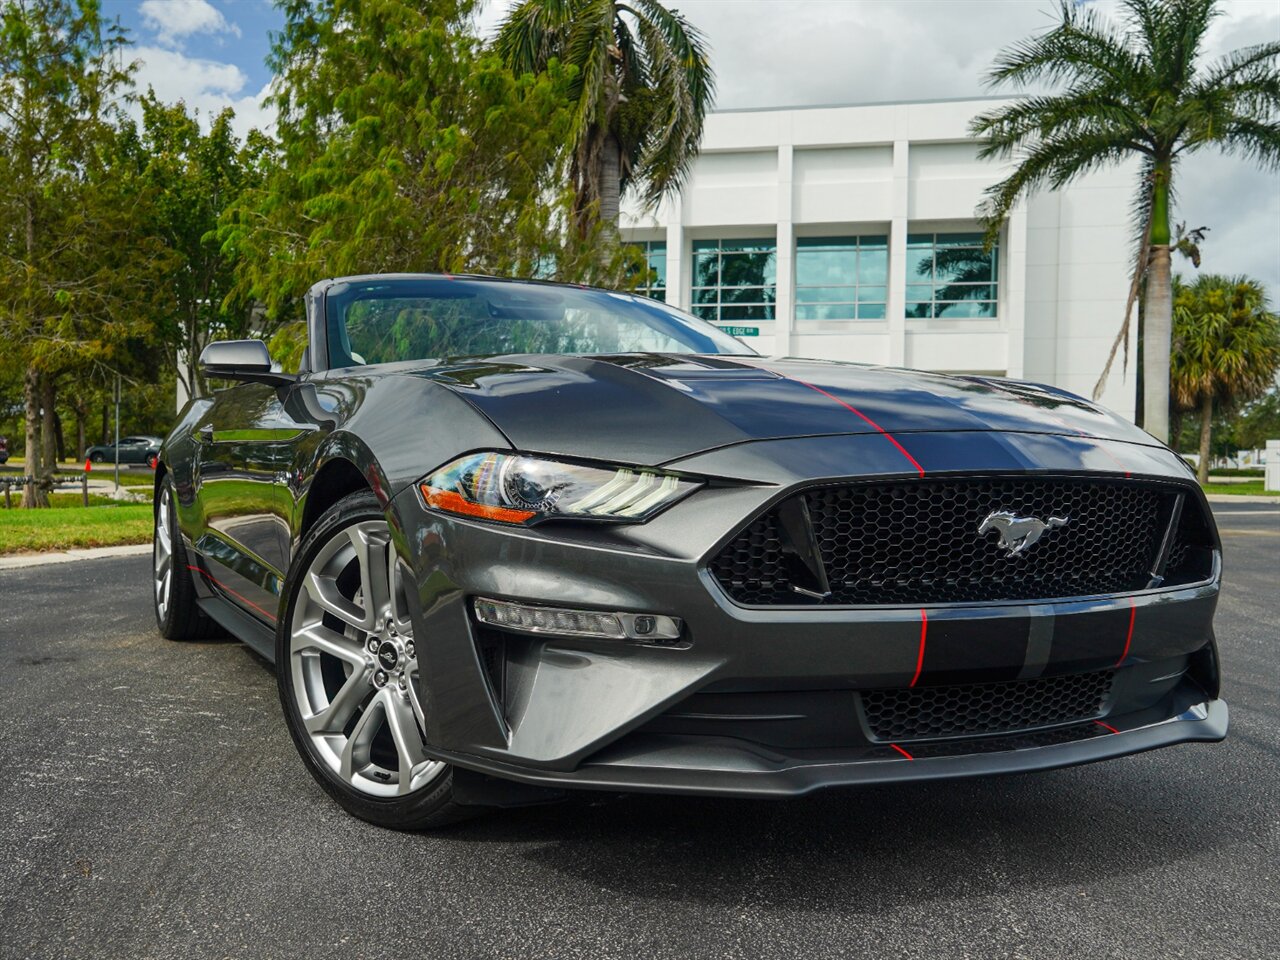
924,713
918,542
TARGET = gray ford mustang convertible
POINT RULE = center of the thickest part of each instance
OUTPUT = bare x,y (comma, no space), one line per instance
505,539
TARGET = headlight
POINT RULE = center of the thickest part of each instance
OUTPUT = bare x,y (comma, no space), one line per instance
514,488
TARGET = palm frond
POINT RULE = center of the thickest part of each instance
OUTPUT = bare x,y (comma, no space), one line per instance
1001,130
681,77
1244,137
1053,162
1239,65
529,36
1084,45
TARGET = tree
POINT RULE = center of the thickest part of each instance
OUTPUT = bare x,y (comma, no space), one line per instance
1226,348
1259,422
192,177
405,146
641,89
70,256
1137,89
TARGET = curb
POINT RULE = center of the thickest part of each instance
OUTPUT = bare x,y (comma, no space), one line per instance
67,556
1243,498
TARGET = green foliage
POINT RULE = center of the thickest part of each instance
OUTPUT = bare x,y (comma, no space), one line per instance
1259,422
288,344
190,177
1226,341
1226,349
77,273
70,258
641,86
405,146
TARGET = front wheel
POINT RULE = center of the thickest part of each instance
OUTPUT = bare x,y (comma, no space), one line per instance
347,668
96,457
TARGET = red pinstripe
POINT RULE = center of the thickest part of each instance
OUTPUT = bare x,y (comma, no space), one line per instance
223,586
1128,639
1106,726
879,429
901,751
924,632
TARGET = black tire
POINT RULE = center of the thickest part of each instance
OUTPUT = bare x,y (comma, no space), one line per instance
96,457
428,807
180,618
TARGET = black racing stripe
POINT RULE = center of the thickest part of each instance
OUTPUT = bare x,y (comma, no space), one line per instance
969,648
1040,625
1091,640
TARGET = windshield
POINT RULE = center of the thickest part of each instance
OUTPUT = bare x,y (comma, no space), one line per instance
393,319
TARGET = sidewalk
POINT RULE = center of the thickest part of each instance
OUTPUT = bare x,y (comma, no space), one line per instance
18,560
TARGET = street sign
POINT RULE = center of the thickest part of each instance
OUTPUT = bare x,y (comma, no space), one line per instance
742,331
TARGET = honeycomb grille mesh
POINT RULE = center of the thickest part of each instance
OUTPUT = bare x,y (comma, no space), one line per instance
1191,552
919,542
924,713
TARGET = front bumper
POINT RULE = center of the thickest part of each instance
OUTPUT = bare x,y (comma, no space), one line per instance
727,769
599,714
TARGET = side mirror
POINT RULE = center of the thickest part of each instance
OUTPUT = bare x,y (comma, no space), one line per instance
246,360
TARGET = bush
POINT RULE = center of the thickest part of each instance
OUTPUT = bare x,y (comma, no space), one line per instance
1238,472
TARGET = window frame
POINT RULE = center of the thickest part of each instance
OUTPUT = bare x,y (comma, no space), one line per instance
713,311
850,243
654,291
950,240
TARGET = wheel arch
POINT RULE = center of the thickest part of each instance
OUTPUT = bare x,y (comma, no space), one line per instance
336,478
161,471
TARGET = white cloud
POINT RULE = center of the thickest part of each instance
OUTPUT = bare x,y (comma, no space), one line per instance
205,85
175,20
784,53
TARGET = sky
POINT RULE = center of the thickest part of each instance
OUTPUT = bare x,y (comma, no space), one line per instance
211,53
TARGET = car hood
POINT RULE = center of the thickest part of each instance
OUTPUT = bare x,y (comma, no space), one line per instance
656,408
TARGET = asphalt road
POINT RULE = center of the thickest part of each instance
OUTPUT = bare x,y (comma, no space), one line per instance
151,805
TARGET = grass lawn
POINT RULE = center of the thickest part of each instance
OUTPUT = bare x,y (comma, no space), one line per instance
65,500
61,528
1251,488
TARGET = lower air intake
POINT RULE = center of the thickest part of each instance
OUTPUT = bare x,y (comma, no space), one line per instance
966,710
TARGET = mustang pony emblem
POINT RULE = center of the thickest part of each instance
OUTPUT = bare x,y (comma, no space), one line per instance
1018,534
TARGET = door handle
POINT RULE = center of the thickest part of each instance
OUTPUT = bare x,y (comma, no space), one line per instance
205,434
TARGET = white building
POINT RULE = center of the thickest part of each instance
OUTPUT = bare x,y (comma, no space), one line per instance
849,233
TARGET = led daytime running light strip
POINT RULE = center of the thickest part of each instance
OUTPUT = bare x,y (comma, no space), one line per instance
530,618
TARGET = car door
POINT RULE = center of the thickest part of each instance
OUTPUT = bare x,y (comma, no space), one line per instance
131,450
244,448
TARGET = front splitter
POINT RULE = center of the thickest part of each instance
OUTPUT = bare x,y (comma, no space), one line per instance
724,768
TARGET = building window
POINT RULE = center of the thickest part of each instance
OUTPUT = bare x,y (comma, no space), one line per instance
734,279
950,275
655,282
841,278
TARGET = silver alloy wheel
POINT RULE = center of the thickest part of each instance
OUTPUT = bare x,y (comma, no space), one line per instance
162,554
354,666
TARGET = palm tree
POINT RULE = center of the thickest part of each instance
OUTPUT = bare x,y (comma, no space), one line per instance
1226,348
1133,89
642,88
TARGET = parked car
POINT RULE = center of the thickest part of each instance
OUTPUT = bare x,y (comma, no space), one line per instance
504,538
4,450
139,449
